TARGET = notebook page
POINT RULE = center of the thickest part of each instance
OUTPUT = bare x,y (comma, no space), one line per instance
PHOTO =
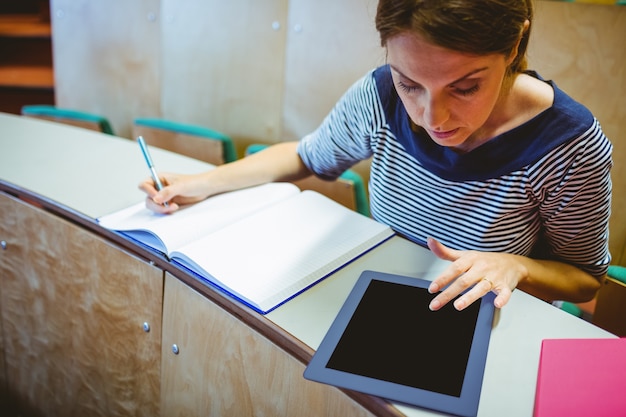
197,220
273,254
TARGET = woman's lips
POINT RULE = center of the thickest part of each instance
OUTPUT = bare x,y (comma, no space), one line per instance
443,135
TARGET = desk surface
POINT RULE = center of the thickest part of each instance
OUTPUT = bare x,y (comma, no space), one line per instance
90,172
95,174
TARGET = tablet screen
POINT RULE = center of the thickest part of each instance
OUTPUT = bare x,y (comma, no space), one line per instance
395,337
385,341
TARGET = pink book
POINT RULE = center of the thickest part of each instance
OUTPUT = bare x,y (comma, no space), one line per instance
581,378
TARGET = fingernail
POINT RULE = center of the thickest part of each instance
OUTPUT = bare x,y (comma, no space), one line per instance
433,288
434,305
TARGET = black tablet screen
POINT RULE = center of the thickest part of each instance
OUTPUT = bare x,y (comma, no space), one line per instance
393,336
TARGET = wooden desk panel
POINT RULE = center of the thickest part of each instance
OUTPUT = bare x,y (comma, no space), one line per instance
81,350
73,308
223,368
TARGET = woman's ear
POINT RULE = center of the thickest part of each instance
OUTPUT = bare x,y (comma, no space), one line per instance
515,50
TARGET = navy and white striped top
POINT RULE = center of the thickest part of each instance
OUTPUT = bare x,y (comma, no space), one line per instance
542,189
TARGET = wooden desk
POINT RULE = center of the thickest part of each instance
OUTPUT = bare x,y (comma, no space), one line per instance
73,335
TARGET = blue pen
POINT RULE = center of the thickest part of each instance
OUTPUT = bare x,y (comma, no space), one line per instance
146,155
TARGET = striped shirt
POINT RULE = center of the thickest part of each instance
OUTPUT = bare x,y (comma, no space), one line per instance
542,189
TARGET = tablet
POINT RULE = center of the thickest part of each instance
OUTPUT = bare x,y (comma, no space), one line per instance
385,341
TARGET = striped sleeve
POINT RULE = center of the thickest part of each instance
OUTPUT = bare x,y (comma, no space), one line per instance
343,138
573,185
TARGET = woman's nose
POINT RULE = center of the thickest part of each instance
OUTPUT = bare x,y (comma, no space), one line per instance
435,113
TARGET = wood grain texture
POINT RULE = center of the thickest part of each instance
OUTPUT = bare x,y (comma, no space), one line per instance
223,65
4,393
331,44
224,368
107,58
73,307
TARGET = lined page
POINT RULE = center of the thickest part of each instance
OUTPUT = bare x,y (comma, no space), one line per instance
268,257
168,232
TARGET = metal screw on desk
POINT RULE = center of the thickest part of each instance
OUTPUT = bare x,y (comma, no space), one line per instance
3,245
175,349
146,327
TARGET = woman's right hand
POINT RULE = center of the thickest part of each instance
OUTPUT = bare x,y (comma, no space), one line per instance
279,162
178,190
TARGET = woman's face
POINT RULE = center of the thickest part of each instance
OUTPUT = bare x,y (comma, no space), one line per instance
452,95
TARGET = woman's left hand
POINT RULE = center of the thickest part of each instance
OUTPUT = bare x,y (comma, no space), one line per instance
482,271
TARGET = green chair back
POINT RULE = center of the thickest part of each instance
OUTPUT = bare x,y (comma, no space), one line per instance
72,117
191,140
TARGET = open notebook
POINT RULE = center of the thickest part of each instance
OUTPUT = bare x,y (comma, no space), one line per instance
262,245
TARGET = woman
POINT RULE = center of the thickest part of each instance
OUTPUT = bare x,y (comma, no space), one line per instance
492,167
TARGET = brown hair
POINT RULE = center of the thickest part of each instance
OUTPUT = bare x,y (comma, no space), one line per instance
473,26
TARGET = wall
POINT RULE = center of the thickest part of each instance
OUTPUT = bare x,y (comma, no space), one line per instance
268,72
106,58
253,70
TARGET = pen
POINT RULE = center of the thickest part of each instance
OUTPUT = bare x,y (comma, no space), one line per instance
146,155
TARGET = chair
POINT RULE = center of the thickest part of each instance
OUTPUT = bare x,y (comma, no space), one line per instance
572,308
70,117
610,311
190,140
348,190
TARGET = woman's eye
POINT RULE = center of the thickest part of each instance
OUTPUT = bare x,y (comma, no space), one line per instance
467,91
408,88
